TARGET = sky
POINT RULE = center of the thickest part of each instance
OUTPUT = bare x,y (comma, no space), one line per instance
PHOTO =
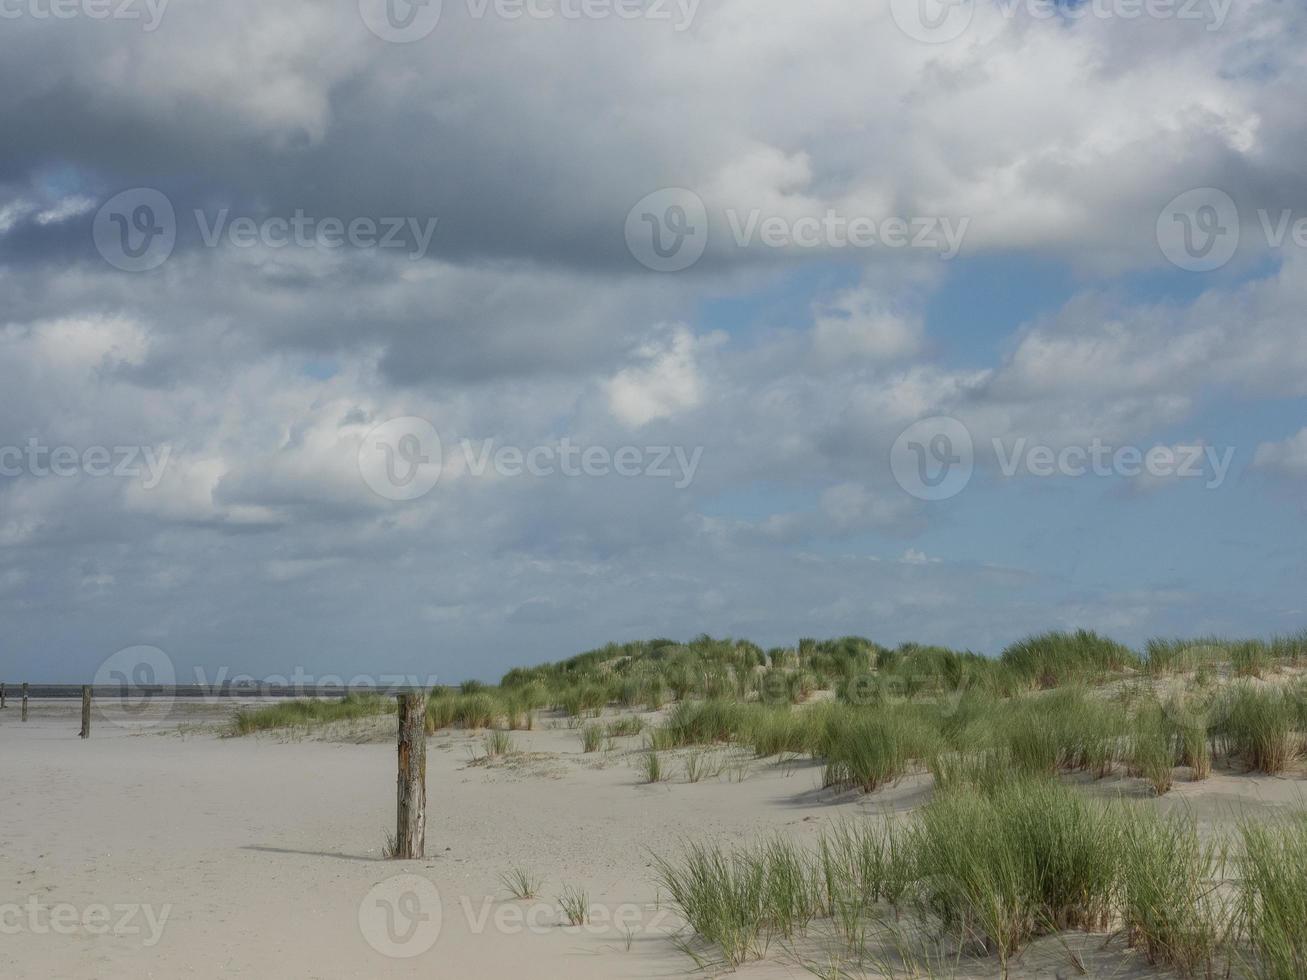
360,336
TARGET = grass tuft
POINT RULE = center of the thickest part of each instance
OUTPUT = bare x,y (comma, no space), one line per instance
498,743
575,904
1257,724
1274,897
592,738
1056,658
1172,906
521,883
307,712
650,767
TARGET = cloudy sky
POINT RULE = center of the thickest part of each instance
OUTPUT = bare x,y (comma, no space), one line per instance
452,337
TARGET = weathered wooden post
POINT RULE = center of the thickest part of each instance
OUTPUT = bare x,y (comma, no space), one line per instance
2,694
411,816
24,700
86,711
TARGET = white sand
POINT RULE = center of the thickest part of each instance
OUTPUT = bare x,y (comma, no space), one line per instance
256,853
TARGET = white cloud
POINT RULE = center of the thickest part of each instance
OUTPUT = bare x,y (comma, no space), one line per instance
857,325
851,507
62,210
664,382
1288,457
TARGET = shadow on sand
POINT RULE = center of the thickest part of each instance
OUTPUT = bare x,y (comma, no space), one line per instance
325,854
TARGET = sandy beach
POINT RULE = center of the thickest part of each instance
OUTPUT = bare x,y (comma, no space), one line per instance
168,850
263,849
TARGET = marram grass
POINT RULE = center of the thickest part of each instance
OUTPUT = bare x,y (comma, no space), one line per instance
310,711
987,871
1274,897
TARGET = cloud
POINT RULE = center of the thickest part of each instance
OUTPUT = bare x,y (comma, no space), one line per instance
1287,457
851,507
856,324
794,370
665,381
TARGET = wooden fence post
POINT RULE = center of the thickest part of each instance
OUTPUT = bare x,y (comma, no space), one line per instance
24,700
86,711
411,816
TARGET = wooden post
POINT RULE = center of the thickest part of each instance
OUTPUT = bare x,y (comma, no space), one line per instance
86,711
2,694
24,700
411,817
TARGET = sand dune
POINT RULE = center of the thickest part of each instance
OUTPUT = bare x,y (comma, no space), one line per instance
253,857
